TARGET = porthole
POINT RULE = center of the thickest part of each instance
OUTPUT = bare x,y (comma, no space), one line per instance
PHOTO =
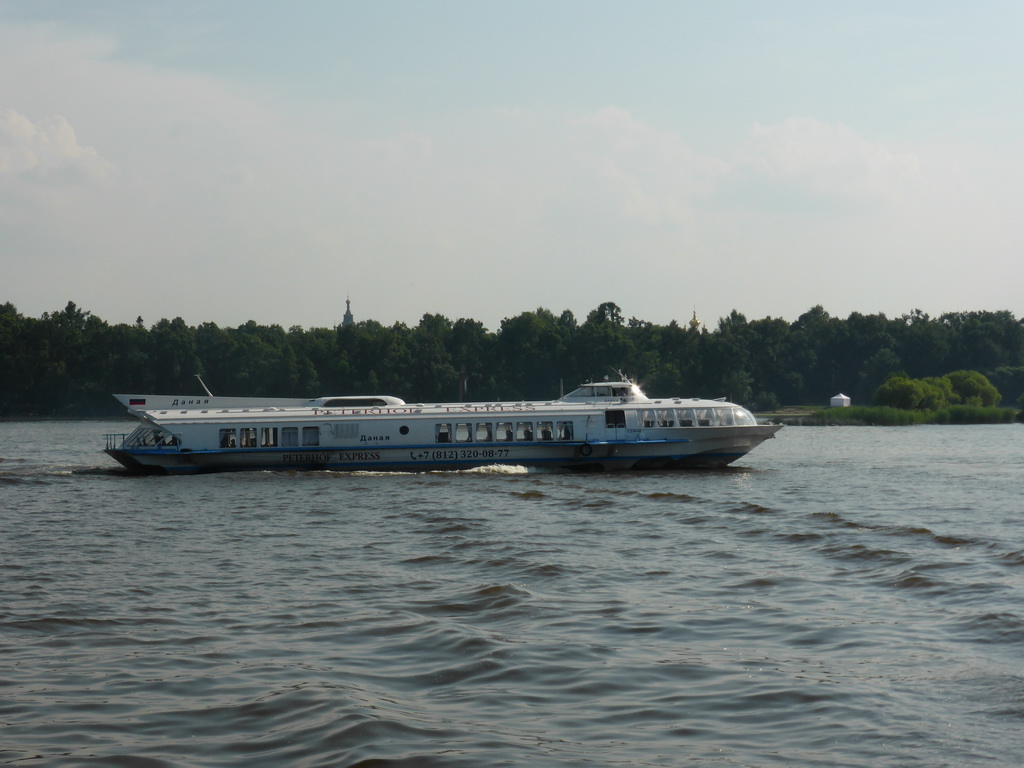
403,430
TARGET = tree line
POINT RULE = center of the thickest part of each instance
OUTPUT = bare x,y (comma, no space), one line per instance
67,363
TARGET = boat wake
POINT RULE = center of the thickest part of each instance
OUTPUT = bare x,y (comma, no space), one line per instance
21,471
497,469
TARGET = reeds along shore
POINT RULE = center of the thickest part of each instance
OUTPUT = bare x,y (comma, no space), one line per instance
887,416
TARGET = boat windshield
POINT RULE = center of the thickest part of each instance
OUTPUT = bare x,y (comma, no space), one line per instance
612,390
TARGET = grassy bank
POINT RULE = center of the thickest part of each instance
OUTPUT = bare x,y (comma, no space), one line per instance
899,417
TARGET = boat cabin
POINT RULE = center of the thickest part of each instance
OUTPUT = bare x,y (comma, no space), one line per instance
596,392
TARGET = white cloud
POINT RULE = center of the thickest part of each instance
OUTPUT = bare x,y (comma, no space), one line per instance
227,203
649,174
44,148
825,158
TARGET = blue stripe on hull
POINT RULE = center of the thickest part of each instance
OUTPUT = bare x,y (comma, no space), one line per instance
204,462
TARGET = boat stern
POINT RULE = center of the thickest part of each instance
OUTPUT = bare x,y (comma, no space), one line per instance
142,451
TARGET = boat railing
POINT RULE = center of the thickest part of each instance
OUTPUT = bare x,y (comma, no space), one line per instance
115,440
142,437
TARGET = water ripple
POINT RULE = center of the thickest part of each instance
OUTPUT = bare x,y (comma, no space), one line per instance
837,602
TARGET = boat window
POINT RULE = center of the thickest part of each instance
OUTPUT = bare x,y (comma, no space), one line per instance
685,417
544,430
565,430
744,418
665,419
247,437
289,437
463,433
483,433
603,391
648,418
504,433
311,435
615,419
524,430
346,430
443,433
724,416
268,437
704,416
620,391
228,438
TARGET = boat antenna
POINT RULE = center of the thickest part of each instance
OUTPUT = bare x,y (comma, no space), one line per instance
203,385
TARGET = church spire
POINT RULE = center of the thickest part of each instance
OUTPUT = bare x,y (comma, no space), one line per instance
348,320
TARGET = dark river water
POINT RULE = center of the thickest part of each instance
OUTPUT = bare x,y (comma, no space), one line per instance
842,597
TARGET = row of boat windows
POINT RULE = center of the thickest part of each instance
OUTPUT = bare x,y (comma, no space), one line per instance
463,432
698,417
267,437
488,432
528,431
502,432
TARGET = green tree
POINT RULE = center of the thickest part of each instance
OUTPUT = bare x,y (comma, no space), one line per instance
985,341
15,372
973,388
433,375
727,354
769,340
530,354
127,360
174,359
811,357
1009,380
379,359
900,391
923,344
602,344
866,353
957,388
471,347
68,362
680,365
938,393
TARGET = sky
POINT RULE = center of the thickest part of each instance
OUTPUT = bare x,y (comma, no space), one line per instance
232,161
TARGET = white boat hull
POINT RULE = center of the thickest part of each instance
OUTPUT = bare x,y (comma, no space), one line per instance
706,450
